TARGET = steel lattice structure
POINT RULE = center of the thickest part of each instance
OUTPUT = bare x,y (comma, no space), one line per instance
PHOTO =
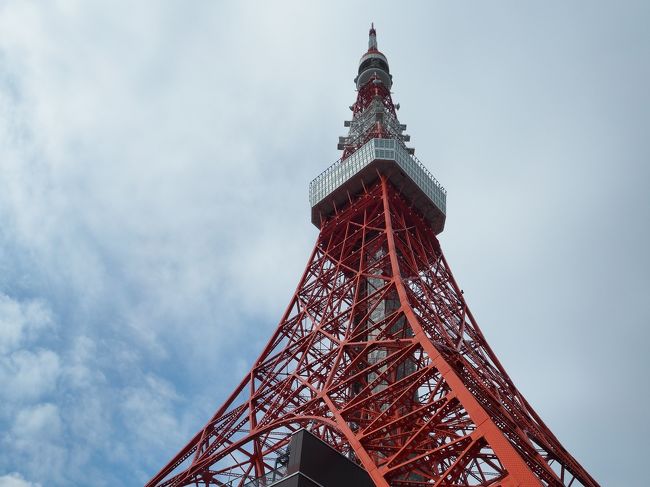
377,353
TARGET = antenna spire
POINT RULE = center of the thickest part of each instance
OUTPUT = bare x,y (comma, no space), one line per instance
372,38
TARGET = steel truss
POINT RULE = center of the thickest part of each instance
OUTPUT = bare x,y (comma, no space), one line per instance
378,355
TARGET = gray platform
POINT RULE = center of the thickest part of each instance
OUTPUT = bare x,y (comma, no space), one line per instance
333,188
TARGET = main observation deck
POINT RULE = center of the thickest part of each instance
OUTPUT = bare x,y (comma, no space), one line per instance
332,189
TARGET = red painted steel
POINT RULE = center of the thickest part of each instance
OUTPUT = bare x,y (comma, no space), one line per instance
378,355
369,92
412,391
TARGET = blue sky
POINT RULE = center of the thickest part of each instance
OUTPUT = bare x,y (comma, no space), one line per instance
154,164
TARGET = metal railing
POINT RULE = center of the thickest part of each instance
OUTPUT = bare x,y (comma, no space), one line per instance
389,149
266,480
270,478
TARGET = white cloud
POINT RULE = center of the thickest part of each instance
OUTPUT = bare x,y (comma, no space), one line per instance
80,370
21,321
14,479
27,375
40,421
148,413
35,442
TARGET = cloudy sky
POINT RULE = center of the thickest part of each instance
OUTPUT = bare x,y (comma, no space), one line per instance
154,165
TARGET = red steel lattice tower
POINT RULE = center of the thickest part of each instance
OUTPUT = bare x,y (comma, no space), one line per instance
377,353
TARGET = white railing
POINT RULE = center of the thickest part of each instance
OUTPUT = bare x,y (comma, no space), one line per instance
389,149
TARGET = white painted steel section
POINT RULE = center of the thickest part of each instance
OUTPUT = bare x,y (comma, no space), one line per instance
389,149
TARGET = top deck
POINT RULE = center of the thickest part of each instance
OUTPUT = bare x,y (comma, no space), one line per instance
330,190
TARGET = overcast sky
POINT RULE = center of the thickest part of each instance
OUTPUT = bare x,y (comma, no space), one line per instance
154,165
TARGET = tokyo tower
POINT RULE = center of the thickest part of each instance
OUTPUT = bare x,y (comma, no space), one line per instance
377,372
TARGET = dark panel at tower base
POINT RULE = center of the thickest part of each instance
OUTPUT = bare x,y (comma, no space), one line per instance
297,480
313,463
